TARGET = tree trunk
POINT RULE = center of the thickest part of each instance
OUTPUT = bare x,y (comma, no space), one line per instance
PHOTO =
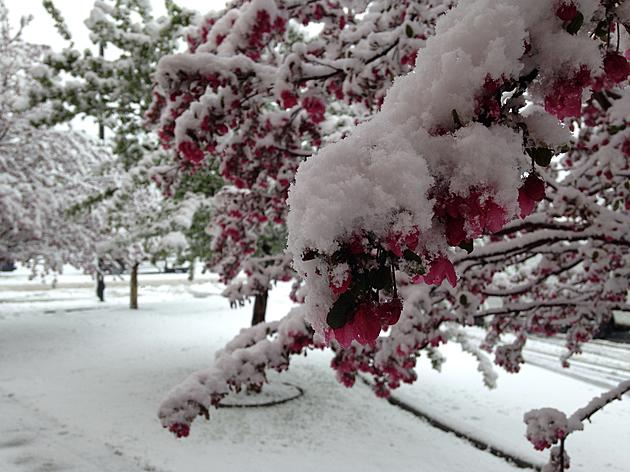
191,270
100,280
133,298
260,308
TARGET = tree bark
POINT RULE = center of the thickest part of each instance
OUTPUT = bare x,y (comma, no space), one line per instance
133,295
191,270
260,308
100,280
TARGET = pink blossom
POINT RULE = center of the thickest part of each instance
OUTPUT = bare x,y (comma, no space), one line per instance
315,108
440,269
191,152
495,217
566,11
393,244
525,203
288,98
565,99
534,187
616,67
364,327
181,430
389,312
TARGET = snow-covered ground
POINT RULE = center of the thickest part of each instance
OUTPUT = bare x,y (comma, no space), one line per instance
80,383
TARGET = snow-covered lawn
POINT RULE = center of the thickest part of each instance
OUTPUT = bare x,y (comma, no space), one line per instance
80,383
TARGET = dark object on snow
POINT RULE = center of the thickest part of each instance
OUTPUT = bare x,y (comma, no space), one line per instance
7,266
606,329
175,270
100,287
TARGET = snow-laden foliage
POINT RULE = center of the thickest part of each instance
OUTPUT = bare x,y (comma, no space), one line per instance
114,88
264,85
43,172
460,150
491,185
140,223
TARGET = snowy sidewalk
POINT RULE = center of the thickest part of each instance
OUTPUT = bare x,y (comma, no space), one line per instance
79,391
99,376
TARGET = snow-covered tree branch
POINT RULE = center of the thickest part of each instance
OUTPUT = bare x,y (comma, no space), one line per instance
491,184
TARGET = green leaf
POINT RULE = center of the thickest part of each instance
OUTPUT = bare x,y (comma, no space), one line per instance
341,311
542,156
576,23
602,30
463,300
411,256
467,245
614,129
380,278
409,31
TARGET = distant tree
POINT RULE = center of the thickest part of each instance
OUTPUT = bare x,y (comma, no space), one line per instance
114,88
43,172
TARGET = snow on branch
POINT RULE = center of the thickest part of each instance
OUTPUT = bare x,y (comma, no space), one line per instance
492,184
242,364
547,426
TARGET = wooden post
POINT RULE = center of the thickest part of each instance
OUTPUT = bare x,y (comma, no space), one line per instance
260,308
133,298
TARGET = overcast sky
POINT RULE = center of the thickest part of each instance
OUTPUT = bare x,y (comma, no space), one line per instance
42,31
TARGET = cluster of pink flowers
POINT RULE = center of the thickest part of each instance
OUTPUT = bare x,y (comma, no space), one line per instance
181,430
366,322
315,108
191,152
510,356
469,217
288,99
388,373
260,31
565,98
545,427
567,11
463,219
